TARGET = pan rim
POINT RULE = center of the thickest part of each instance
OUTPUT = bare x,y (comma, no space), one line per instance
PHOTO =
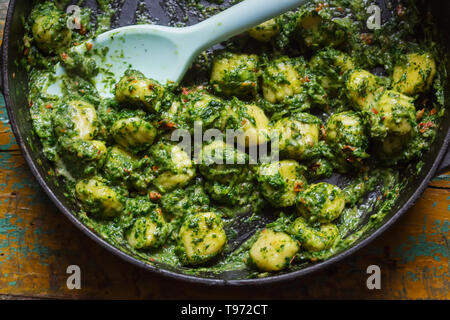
276,279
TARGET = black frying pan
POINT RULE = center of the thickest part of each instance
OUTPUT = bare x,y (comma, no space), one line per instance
169,12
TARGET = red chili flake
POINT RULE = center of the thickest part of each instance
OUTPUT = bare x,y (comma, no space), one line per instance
26,51
319,7
340,9
89,46
154,195
400,10
99,152
185,91
155,168
244,122
298,186
307,79
424,126
64,56
49,106
151,86
253,84
109,110
433,111
367,38
83,30
379,198
375,111
349,148
323,131
166,124
419,114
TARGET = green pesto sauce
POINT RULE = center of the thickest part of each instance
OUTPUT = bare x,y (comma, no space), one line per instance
297,77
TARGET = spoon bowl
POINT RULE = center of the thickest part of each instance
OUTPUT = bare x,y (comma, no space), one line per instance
166,53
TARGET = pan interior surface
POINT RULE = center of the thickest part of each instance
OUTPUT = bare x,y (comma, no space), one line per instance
175,13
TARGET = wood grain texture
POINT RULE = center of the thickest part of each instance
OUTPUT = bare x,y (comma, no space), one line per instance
37,244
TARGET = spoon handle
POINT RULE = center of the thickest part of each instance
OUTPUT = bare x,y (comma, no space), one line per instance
235,20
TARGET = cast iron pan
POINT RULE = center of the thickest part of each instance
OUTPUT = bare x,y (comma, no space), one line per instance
168,12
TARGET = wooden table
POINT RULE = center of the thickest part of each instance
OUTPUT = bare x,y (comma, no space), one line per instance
37,244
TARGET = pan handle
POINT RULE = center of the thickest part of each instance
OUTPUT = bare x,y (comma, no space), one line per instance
445,163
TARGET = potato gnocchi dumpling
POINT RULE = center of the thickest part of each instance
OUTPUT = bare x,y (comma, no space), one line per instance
77,119
346,134
249,121
318,32
362,88
393,145
266,31
283,77
315,239
135,89
330,65
200,106
236,75
49,28
202,238
148,232
298,136
221,162
255,126
98,198
273,251
120,165
82,157
397,112
134,133
281,181
414,74
321,203
172,166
